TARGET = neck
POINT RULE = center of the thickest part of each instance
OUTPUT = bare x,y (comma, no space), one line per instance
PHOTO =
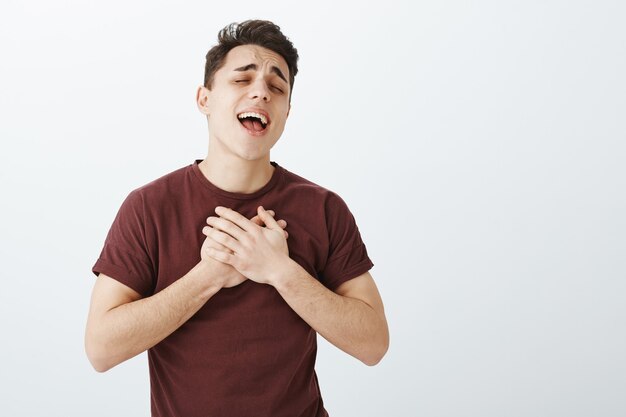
236,175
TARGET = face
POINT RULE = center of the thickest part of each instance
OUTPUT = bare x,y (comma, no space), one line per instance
248,103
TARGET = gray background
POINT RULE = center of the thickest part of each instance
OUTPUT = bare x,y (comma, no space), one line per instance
480,146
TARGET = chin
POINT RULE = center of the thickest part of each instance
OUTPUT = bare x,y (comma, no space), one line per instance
254,151
252,154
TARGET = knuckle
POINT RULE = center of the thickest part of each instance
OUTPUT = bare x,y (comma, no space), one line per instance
240,263
223,238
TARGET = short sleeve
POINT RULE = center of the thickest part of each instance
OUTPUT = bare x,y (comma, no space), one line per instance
347,254
125,255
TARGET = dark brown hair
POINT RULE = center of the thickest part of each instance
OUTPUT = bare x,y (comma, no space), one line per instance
251,32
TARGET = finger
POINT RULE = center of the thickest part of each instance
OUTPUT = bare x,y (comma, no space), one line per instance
210,243
223,257
223,238
236,218
267,219
257,220
282,223
225,226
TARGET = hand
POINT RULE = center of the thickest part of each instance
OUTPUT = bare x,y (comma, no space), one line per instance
256,252
226,274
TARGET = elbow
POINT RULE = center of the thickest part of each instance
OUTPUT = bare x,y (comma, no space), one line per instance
374,358
99,365
372,362
96,354
99,362
376,352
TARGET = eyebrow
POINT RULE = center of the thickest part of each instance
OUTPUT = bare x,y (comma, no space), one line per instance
253,67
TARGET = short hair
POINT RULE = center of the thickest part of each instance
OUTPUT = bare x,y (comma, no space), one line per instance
250,32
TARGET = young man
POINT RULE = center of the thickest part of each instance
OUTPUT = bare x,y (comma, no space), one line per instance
226,299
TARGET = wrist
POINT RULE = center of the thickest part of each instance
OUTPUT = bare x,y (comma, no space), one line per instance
203,273
287,271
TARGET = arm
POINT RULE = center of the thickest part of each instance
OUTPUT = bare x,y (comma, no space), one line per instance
121,324
352,318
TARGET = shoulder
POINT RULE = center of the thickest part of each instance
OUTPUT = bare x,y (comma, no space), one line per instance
307,188
163,186
154,195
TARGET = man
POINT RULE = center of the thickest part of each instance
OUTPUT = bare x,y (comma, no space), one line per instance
226,299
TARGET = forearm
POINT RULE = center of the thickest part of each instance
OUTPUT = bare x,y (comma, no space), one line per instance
129,329
348,323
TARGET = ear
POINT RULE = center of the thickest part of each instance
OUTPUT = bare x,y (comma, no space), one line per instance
202,99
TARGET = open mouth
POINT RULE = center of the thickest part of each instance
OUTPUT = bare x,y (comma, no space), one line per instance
254,122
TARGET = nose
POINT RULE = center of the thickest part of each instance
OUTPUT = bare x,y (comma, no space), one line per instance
259,91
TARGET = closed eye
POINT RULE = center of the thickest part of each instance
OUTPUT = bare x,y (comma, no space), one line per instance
279,89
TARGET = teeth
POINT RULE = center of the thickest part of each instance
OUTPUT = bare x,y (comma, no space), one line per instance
252,114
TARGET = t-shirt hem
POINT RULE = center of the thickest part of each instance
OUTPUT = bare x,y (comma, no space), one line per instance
357,270
119,274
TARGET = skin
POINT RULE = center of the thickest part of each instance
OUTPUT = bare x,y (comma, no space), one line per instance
352,318
122,324
231,149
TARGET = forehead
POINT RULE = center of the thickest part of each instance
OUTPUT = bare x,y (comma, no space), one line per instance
264,58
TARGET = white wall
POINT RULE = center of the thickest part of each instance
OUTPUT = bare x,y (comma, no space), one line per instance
480,145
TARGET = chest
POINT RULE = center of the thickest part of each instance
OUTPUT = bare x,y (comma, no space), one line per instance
179,235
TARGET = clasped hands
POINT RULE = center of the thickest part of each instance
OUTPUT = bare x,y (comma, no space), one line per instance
253,251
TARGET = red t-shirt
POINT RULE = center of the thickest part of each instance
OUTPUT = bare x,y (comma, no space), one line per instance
245,352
